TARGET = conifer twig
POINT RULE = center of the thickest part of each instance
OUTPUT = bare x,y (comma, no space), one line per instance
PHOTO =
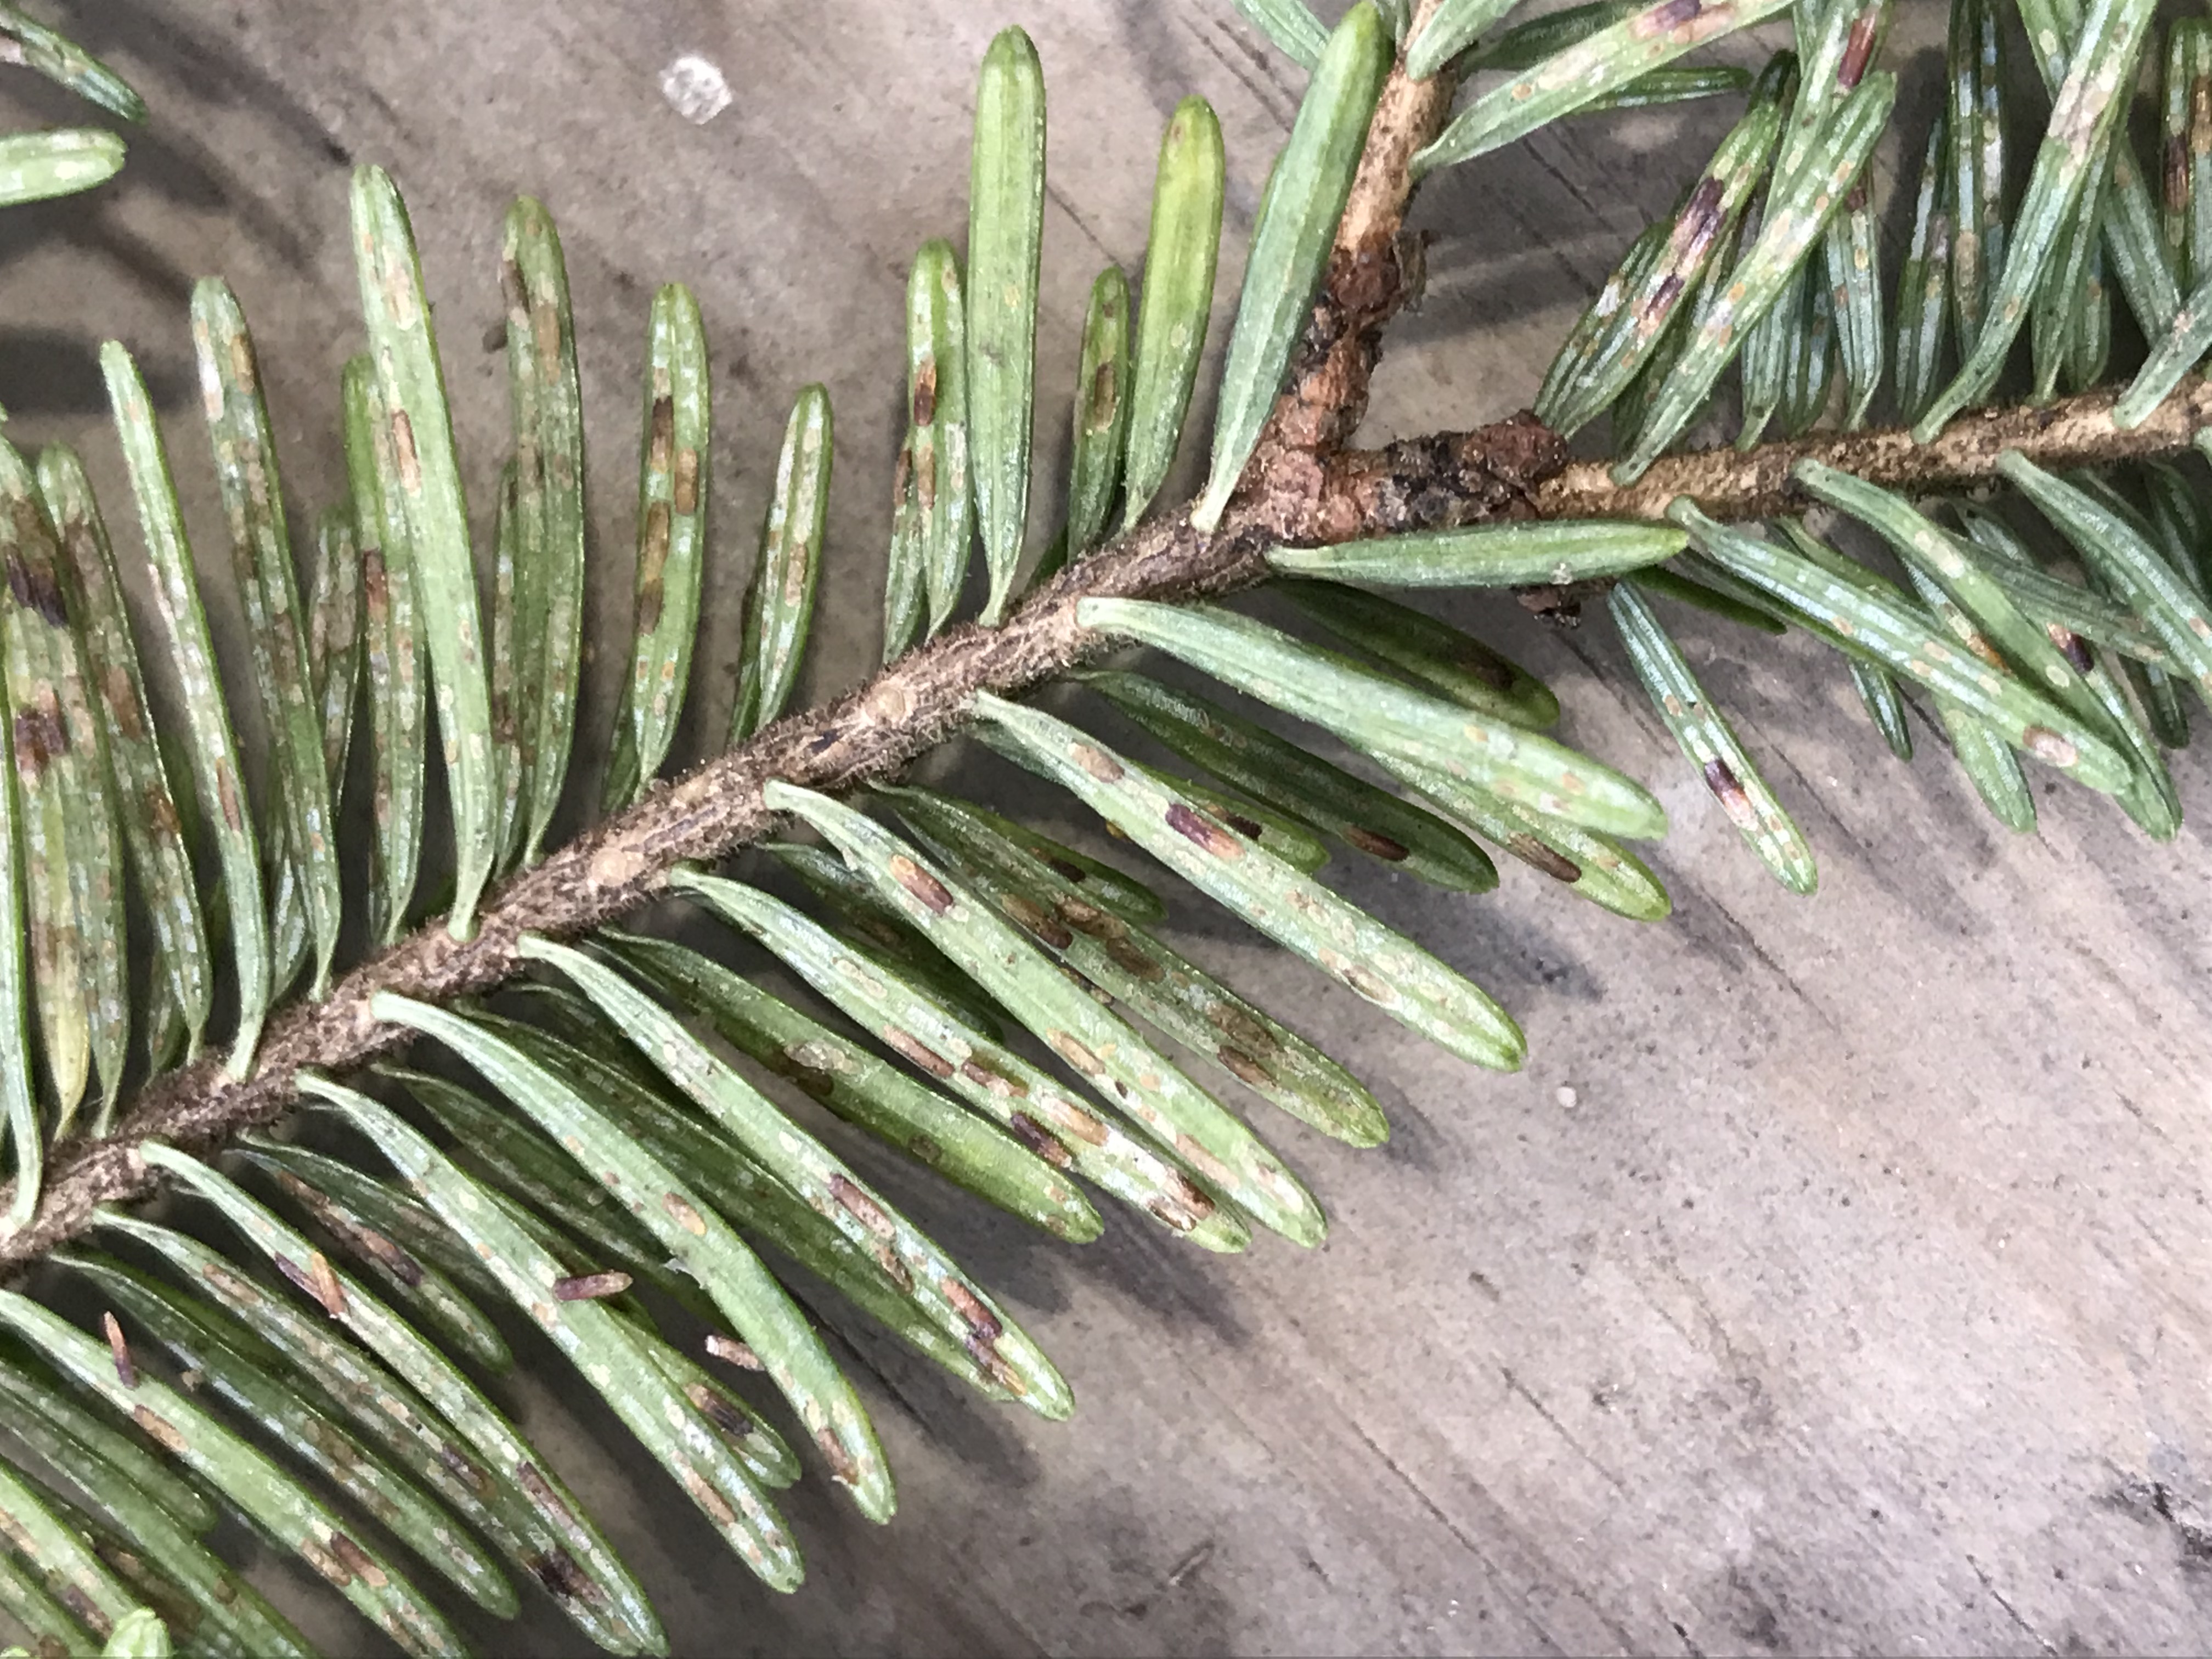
1303,486
1728,484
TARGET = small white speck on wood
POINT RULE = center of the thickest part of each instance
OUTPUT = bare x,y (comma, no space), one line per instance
694,87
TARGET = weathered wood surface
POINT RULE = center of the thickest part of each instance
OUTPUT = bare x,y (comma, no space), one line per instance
1836,1276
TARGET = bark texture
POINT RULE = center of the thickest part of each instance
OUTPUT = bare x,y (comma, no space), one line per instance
1734,485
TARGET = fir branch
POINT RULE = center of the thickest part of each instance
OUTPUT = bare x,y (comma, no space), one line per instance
1294,491
868,735
1302,487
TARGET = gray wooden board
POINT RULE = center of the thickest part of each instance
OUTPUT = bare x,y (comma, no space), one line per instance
1859,1300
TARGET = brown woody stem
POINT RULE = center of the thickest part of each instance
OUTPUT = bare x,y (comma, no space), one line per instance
1755,485
1302,487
